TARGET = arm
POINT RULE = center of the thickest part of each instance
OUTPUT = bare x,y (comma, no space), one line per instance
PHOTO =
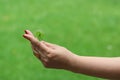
97,66
54,56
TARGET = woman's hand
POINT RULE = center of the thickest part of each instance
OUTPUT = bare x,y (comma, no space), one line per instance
54,56
51,55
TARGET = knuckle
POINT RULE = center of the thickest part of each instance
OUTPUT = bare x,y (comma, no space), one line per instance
48,51
37,43
50,56
46,61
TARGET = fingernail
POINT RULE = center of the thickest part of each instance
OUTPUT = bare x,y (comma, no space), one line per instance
24,35
25,31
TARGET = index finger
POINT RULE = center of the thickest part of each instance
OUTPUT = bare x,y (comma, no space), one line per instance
29,36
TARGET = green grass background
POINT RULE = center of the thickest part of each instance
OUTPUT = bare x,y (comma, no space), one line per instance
86,27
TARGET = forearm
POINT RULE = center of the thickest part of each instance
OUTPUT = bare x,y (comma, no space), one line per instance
96,66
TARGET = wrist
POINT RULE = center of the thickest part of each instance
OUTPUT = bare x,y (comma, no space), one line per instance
72,60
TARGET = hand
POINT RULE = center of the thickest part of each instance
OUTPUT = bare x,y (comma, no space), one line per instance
51,55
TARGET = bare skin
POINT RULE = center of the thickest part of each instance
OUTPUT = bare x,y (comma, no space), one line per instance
54,56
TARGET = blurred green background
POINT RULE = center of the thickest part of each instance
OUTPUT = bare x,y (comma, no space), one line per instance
86,27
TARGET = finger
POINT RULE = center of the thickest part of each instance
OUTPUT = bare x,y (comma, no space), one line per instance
31,38
37,50
44,48
28,37
28,32
41,58
37,55
50,44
